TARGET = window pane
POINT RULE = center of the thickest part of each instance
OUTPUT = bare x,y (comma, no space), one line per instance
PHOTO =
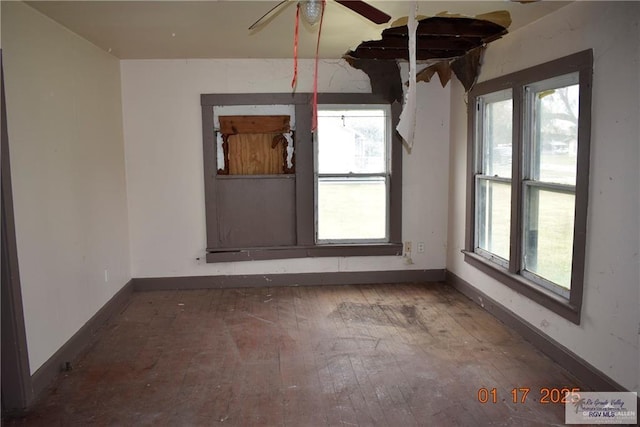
548,234
555,135
497,136
493,217
352,208
352,141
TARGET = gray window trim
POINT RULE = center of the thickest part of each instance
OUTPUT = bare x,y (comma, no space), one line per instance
304,179
569,308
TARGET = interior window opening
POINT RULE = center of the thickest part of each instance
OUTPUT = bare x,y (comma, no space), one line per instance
255,145
352,174
493,179
550,181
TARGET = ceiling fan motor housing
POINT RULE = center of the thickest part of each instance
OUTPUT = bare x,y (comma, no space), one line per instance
311,11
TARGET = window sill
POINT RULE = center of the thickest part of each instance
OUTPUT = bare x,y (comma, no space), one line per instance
542,296
284,252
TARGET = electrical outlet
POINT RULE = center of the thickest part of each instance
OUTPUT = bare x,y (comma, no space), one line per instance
407,247
420,247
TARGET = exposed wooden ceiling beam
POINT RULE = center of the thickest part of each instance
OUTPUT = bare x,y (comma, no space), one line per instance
437,38
426,42
451,27
421,55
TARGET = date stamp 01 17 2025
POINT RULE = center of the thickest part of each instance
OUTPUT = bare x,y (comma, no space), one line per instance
581,407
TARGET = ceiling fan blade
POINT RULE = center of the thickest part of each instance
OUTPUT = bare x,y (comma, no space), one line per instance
263,17
362,8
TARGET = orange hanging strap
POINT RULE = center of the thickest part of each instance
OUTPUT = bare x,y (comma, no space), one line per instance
314,120
295,49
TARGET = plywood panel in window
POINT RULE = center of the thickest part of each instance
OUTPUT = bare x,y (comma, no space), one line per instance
255,154
255,145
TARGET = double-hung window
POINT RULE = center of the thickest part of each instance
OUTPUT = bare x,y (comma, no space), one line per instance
352,178
529,168
549,184
493,177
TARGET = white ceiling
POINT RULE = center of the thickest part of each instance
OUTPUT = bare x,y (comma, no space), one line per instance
218,29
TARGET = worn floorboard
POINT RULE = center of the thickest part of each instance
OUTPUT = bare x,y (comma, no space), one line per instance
368,355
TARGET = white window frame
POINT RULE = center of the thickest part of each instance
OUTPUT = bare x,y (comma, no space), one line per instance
528,181
480,173
386,175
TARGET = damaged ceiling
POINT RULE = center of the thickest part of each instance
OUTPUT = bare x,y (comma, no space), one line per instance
437,37
218,29
447,43
444,44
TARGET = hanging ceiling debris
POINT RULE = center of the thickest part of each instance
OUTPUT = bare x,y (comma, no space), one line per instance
444,43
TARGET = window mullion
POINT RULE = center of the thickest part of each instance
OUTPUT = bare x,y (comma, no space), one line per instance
517,174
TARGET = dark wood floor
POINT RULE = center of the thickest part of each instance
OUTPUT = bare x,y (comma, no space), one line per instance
390,355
